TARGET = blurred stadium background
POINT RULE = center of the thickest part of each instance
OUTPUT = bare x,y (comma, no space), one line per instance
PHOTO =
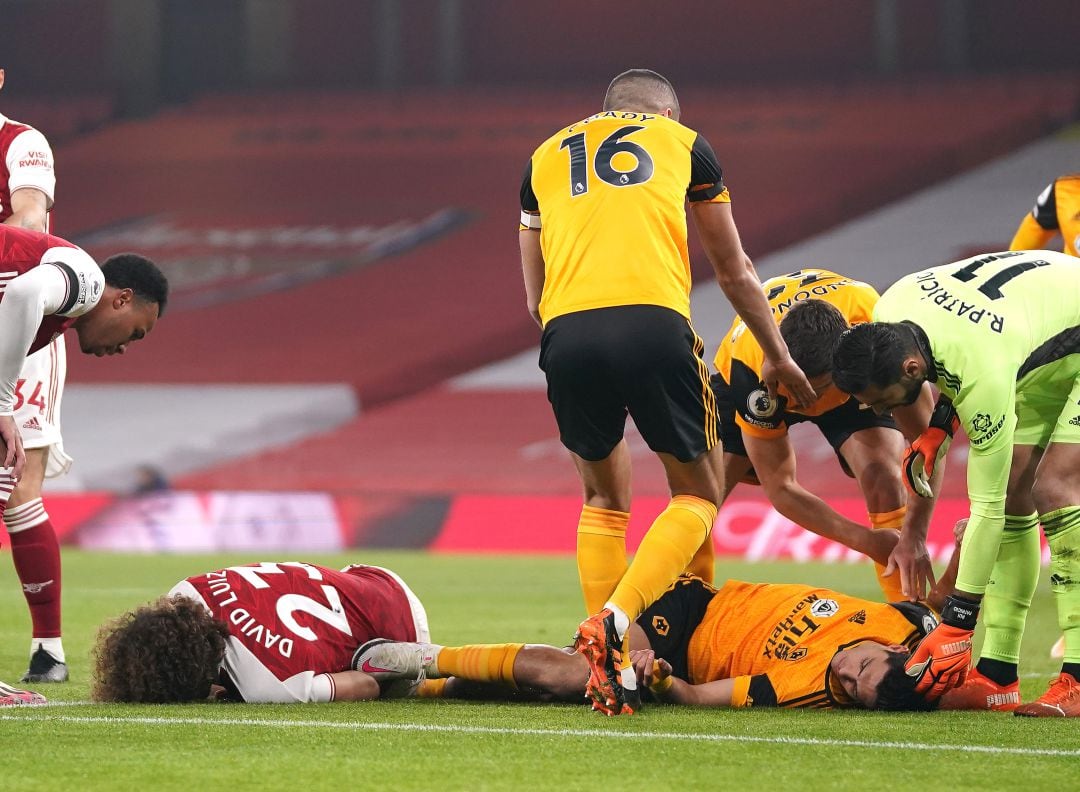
332,185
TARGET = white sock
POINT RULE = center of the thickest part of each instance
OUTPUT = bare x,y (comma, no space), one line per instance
53,646
622,621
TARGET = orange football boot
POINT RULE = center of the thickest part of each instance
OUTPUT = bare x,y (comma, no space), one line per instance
1062,700
979,692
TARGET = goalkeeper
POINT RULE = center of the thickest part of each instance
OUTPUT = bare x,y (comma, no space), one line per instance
999,335
813,307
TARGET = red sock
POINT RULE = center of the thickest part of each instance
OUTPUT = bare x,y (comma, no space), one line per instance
36,554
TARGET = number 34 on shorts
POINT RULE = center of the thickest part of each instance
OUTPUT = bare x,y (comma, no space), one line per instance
30,392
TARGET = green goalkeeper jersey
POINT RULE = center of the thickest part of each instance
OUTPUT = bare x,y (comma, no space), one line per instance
993,324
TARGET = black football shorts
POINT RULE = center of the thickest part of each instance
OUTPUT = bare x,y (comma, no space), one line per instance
644,360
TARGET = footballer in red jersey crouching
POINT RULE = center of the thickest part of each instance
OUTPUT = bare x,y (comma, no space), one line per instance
272,632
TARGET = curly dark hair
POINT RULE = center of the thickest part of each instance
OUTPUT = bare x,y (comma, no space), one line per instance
141,275
896,691
812,329
167,651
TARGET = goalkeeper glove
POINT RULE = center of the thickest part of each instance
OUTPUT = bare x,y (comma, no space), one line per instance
922,456
941,661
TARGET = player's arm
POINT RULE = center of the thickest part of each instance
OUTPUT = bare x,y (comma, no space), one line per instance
910,556
710,206
1040,225
27,299
31,180
532,255
1031,236
353,686
29,209
739,281
774,461
532,268
947,582
656,674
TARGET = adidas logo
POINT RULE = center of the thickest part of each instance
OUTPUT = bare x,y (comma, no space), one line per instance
33,423
858,618
1075,421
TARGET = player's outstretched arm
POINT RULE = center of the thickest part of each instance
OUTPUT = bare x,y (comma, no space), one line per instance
947,582
910,557
774,461
739,282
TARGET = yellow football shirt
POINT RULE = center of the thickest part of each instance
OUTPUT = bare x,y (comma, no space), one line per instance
1057,210
739,359
608,196
777,640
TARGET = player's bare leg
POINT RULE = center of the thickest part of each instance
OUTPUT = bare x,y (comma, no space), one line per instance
36,555
730,469
872,455
515,667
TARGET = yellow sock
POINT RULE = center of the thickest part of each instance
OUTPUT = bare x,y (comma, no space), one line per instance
703,564
479,662
431,688
601,554
664,553
891,586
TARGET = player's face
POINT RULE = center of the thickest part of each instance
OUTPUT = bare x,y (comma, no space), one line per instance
861,668
114,323
899,394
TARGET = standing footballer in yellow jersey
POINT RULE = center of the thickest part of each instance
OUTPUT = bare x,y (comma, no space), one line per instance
1057,211
813,308
607,275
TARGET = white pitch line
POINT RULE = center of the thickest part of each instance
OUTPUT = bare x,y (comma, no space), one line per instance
420,727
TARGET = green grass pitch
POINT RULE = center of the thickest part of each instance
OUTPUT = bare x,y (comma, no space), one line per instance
447,745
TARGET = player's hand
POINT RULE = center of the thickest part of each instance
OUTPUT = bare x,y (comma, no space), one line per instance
911,559
922,456
14,456
652,672
775,373
942,660
879,543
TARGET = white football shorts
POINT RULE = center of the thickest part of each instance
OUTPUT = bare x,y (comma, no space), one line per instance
38,394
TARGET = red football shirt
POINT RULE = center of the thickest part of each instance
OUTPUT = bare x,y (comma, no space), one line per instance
292,623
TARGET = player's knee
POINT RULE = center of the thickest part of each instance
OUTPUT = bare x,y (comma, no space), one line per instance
1020,502
612,501
1053,491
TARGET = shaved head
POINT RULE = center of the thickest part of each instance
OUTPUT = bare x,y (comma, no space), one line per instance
642,90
